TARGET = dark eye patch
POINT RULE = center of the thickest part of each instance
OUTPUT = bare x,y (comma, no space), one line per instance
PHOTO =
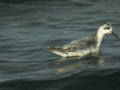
107,28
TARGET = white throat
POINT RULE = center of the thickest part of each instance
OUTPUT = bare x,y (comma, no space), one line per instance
99,36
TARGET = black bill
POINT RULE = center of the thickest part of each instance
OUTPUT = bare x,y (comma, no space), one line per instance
115,35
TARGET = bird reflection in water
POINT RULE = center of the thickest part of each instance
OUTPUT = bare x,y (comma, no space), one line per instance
64,65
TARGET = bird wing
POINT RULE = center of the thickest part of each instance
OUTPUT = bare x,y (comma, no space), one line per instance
80,44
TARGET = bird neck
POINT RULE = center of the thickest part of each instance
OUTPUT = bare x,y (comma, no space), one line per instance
99,36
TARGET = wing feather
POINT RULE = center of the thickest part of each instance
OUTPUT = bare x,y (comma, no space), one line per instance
80,44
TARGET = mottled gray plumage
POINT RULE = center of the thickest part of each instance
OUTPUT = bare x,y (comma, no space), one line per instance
78,46
81,44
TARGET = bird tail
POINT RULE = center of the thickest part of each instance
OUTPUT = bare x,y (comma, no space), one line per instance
50,49
54,49
57,50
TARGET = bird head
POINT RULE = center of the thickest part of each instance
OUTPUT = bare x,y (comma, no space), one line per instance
107,29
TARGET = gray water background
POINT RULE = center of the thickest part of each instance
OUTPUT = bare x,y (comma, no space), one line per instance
26,28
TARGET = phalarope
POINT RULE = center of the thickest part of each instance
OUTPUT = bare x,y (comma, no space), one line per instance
86,46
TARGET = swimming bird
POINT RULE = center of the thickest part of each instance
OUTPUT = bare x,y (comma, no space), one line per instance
86,46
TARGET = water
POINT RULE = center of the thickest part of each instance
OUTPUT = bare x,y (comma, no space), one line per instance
26,28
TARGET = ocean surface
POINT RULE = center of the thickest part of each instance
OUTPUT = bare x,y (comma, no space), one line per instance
28,27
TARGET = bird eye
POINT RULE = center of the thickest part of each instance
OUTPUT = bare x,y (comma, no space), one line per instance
107,28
